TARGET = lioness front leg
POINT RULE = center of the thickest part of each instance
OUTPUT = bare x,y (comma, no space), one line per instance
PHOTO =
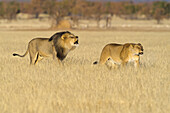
136,63
124,63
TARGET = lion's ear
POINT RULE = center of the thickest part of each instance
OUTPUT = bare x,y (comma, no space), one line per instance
63,37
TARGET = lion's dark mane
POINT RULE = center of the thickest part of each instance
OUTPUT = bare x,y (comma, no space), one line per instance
61,52
58,35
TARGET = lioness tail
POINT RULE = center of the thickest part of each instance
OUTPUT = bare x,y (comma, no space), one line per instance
95,62
15,54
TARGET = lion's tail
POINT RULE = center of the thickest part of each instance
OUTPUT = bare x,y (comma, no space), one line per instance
15,54
96,62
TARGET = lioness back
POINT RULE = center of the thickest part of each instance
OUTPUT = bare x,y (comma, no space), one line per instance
111,51
115,50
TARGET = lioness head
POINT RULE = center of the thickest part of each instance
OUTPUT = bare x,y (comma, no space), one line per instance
137,49
70,40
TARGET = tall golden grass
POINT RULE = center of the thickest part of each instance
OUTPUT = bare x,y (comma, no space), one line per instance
80,87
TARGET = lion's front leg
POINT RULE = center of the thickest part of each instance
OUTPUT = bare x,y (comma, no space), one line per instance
59,61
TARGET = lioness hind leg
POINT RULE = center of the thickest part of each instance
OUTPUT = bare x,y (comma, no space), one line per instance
105,55
112,63
103,58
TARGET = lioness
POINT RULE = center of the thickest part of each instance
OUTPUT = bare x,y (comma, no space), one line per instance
121,53
58,46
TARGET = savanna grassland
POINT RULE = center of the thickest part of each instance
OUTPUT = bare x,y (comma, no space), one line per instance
80,87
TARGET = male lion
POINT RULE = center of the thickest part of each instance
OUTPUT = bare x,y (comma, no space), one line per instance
58,46
121,53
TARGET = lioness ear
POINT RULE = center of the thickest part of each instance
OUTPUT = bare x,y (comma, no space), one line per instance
139,44
131,46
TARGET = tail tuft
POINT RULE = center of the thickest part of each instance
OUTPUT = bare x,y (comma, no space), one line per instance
95,62
14,54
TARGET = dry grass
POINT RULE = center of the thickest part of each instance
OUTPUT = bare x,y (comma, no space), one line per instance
79,87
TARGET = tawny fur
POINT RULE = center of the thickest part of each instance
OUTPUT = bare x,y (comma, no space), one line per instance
121,53
58,46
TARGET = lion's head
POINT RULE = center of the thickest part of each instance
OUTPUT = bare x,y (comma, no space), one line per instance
65,39
64,42
137,49
70,40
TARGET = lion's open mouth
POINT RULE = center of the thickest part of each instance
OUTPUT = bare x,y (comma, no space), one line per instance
76,42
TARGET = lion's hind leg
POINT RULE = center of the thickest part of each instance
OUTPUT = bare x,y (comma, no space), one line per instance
33,57
38,58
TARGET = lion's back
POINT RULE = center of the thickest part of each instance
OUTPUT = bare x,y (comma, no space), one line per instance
40,44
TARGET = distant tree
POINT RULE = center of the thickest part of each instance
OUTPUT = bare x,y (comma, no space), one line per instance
130,8
158,10
108,21
167,10
146,9
95,10
158,14
50,7
98,12
108,10
60,10
115,8
2,12
37,7
10,10
78,10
